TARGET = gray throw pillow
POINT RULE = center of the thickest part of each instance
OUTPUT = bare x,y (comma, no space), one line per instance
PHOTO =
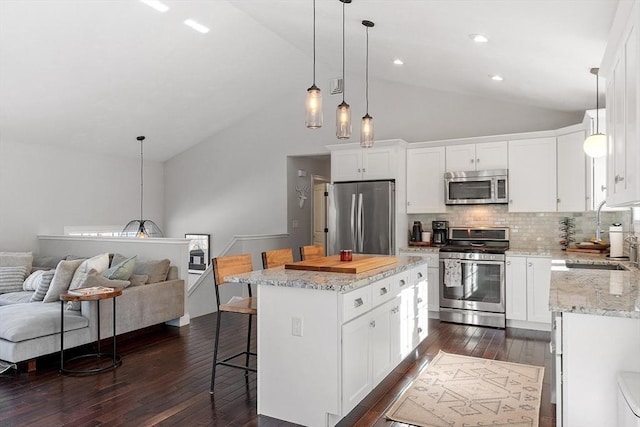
12,278
156,270
16,259
122,270
61,279
138,279
42,286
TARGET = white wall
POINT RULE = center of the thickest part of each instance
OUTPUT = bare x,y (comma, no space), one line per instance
44,188
235,182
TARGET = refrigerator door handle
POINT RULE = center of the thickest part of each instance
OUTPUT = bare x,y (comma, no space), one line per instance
360,224
353,218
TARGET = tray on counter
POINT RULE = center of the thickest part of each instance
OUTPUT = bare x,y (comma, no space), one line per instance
332,264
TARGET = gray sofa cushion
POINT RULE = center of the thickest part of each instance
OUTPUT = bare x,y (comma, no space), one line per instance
15,297
15,259
20,322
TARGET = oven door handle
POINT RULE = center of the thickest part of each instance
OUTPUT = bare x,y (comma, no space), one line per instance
482,262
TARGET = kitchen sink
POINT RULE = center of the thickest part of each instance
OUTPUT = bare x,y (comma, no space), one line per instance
596,266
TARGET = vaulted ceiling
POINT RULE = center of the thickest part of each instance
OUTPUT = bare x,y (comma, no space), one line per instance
95,74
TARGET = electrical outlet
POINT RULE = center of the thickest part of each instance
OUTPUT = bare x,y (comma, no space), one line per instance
296,326
294,223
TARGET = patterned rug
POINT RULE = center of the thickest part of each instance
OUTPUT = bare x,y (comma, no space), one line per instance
467,391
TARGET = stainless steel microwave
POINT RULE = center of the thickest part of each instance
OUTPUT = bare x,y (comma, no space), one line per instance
476,187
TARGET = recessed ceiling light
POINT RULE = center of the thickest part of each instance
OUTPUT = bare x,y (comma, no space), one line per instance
496,77
398,61
478,38
157,5
198,27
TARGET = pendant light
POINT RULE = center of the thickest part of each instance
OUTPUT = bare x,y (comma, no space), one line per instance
596,144
343,112
366,128
141,228
313,119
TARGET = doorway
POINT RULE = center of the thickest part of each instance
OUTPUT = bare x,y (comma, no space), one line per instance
319,210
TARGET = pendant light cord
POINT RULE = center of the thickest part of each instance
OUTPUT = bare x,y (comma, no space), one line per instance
367,73
343,76
314,42
597,104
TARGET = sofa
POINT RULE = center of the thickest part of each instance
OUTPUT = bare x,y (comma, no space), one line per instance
29,329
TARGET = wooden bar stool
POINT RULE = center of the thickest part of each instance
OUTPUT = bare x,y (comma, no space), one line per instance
311,252
223,267
276,258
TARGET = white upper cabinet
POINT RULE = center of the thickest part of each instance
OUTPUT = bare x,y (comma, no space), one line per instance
386,160
471,157
362,164
572,176
532,175
425,180
621,68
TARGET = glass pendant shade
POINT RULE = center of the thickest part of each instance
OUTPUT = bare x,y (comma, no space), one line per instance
366,131
313,118
141,228
343,121
595,145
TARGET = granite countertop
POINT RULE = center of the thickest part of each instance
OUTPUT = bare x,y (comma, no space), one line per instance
340,282
591,291
421,249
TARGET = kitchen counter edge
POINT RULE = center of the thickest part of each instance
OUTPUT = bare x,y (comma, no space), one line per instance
325,281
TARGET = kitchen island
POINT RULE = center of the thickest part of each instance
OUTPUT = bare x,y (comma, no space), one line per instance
597,335
325,340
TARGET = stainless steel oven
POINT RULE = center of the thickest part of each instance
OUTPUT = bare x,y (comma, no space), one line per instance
472,276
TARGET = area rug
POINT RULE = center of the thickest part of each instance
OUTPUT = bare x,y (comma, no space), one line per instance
466,391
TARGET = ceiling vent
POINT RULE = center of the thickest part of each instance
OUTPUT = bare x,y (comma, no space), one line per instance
336,85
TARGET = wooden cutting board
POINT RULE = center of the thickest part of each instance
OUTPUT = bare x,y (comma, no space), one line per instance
332,264
589,251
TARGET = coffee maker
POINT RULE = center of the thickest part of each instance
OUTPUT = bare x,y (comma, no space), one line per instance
440,232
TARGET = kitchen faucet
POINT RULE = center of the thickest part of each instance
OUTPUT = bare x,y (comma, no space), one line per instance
598,222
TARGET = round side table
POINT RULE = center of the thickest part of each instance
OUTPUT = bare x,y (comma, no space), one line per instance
115,359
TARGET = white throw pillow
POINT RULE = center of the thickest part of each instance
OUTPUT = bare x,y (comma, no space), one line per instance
61,279
98,263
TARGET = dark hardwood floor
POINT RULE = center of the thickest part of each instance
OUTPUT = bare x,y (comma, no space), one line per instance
165,375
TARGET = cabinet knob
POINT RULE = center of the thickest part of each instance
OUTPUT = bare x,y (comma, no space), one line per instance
364,169
359,170
530,264
558,200
358,302
402,282
420,330
471,160
618,179
602,188
477,160
383,291
419,300
372,323
508,262
419,275
408,203
510,200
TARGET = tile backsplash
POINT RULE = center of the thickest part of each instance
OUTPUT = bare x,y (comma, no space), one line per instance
528,230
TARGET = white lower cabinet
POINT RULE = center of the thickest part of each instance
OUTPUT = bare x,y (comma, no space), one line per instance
375,342
433,279
527,282
371,348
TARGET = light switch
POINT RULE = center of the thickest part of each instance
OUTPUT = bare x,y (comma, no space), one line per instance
296,326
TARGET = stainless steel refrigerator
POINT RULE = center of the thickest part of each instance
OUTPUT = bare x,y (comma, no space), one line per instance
361,217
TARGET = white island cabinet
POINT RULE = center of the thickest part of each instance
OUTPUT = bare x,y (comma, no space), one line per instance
326,340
